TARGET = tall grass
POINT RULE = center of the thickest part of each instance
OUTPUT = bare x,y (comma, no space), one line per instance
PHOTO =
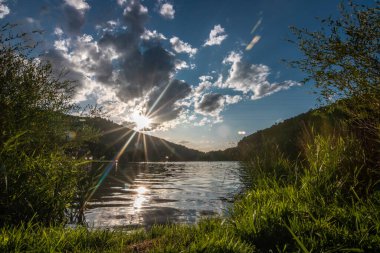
313,204
323,205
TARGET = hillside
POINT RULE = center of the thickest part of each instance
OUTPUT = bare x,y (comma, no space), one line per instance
112,138
287,136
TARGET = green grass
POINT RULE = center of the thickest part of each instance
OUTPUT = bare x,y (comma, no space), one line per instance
318,204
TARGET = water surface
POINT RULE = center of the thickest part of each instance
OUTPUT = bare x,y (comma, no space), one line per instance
171,192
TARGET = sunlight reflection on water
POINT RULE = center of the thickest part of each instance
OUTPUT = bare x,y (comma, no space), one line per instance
178,192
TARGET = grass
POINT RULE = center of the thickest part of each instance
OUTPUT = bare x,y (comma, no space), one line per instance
319,203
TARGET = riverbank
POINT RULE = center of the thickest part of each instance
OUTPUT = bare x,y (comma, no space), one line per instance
278,219
291,207
324,201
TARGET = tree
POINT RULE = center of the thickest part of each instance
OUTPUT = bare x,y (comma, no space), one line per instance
343,58
38,173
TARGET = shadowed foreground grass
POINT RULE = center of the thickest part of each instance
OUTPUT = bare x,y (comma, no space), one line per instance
275,219
321,204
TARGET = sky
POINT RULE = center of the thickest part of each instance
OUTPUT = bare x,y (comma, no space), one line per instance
201,73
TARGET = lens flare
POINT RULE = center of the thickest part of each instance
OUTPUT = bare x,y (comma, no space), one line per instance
142,122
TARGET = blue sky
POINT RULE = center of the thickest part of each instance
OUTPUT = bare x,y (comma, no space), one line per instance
204,73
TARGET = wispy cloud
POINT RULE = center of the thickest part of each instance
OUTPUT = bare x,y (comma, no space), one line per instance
216,37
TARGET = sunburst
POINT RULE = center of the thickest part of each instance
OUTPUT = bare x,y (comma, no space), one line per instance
142,122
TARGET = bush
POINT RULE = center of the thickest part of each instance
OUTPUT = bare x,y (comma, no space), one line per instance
38,165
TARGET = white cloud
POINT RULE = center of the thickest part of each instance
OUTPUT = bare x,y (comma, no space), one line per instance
78,4
179,64
142,9
58,31
121,2
251,79
167,11
182,47
205,78
204,85
111,73
216,37
4,9
233,57
62,45
109,26
149,35
233,99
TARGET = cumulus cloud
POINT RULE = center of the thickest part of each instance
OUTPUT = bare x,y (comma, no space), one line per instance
78,4
152,35
182,47
129,77
121,2
179,64
203,86
58,31
109,26
162,103
4,9
212,104
233,99
74,12
251,79
216,37
167,11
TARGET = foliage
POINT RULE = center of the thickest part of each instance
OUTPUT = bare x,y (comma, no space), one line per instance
321,209
343,57
343,60
38,171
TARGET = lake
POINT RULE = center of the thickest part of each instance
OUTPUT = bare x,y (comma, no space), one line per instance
142,194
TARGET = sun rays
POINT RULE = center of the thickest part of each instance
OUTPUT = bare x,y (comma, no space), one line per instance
142,122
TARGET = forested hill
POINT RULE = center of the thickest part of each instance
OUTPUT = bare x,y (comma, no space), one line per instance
112,138
288,136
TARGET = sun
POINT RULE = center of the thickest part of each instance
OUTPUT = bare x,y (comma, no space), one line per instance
142,122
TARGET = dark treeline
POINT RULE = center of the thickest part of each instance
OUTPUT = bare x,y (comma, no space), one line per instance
142,147
286,136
